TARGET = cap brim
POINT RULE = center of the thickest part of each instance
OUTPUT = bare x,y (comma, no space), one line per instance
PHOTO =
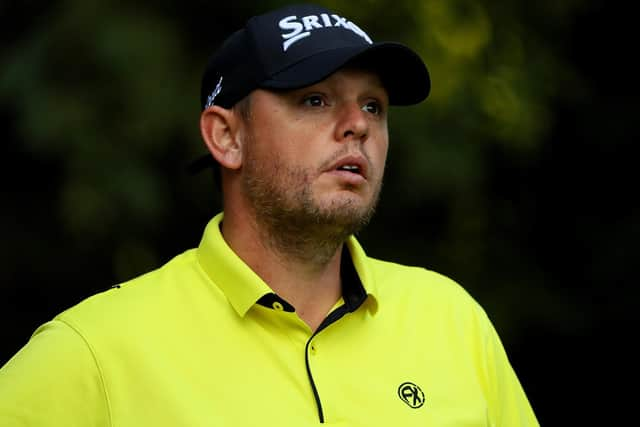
403,73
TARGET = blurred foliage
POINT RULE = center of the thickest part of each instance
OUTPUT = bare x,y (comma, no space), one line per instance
108,92
99,102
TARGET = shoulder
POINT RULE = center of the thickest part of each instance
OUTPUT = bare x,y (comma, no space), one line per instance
399,278
141,300
389,280
425,294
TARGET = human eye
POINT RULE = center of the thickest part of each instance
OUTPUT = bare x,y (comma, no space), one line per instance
373,107
314,100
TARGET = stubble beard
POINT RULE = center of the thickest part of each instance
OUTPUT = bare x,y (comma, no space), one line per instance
291,221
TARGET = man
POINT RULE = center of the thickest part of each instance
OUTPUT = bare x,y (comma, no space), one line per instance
279,317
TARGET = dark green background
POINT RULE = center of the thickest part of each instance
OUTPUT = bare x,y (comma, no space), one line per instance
515,177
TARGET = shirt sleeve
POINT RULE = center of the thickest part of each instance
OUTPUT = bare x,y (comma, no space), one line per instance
53,381
509,406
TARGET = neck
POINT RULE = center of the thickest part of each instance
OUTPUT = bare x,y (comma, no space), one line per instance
302,267
313,246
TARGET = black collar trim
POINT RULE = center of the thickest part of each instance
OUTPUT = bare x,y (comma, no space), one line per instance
272,300
353,292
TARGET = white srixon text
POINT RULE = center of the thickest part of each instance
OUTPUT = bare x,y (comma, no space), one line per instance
302,27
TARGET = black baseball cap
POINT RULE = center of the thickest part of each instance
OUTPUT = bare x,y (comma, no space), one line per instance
299,45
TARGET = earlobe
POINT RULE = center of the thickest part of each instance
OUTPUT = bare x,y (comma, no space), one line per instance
220,131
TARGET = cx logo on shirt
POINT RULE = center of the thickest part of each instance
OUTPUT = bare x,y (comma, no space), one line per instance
411,394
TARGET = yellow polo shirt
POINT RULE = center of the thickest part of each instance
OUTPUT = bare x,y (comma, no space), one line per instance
203,341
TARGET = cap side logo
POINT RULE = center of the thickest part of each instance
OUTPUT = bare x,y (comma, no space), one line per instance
211,98
299,29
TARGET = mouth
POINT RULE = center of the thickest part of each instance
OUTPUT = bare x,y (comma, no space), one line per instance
355,165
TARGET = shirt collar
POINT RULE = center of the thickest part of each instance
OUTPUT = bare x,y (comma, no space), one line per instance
358,284
243,287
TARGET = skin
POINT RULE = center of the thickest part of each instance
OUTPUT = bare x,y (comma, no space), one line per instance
288,208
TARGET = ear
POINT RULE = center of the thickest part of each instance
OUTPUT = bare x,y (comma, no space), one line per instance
220,129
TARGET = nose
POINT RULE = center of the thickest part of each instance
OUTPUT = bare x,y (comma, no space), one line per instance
352,123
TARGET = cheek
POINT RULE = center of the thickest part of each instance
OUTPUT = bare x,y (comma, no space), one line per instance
285,154
384,148
382,162
303,148
287,140
379,151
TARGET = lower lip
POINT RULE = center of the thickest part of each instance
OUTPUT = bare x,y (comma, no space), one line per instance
348,177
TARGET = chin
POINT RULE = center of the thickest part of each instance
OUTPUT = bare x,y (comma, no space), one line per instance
349,210
345,200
